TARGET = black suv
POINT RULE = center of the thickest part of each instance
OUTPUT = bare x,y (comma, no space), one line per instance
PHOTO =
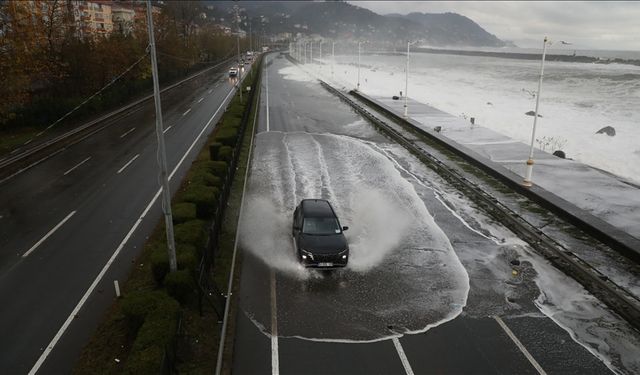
317,235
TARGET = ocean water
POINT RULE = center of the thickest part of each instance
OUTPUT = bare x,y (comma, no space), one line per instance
577,99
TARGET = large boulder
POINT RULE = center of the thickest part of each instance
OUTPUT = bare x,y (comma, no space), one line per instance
532,113
608,130
560,154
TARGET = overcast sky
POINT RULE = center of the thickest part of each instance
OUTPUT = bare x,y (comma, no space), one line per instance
611,25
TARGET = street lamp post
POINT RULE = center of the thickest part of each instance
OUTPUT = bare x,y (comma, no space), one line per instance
358,85
311,52
333,56
406,84
529,169
239,85
164,175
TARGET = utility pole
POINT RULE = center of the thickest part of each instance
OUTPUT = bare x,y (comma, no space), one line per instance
529,169
358,85
250,42
164,176
238,44
333,56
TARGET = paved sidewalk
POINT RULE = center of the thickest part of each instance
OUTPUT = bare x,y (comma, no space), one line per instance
603,200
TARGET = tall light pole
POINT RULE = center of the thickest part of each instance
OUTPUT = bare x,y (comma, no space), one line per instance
333,56
358,85
305,52
406,84
164,176
529,170
239,84
250,42
311,52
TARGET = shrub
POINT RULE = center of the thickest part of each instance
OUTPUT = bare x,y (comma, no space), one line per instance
160,326
179,284
138,305
186,258
204,197
159,263
227,136
191,233
213,150
225,153
207,179
184,211
218,168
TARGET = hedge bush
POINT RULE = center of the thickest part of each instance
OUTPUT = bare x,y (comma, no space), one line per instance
213,150
186,258
138,305
191,233
159,263
204,197
179,284
227,136
225,153
216,167
207,179
155,335
183,211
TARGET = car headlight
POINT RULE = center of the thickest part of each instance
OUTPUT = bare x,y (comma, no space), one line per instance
343,254
306,254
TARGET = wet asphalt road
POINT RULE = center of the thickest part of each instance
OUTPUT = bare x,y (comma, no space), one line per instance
62,220
432,294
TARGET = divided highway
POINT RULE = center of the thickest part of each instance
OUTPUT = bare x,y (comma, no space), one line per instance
433,285
73,224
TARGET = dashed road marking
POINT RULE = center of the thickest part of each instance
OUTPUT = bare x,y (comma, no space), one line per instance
201,99
188,110
127,132
524,350
76,166
167,129
128,163
52,231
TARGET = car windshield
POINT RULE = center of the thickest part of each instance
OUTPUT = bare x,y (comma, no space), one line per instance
320,225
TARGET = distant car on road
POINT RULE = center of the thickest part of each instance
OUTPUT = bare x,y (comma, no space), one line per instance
233,72
317,235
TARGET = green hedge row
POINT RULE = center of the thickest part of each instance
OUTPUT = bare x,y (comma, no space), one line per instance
152,316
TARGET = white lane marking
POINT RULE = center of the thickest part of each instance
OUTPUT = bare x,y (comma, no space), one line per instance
126,165
32,165
275,358
201,99
524,350
188,110
76,166
127,132
403,356
266,69
94,284
210,90
32,249
167,129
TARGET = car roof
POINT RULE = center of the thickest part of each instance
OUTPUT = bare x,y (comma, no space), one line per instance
317,208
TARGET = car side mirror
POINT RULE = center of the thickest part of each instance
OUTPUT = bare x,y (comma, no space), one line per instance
345,228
